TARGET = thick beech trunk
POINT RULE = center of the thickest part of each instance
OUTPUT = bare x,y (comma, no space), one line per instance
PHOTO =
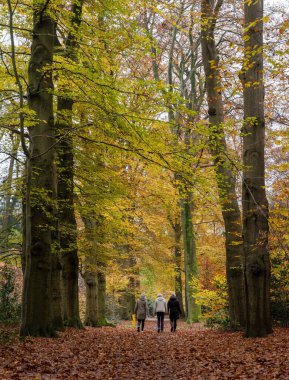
67,222
255,205
223,167
40,201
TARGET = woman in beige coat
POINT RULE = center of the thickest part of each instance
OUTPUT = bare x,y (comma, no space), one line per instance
160,310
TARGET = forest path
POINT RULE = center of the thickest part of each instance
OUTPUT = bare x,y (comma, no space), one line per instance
192,353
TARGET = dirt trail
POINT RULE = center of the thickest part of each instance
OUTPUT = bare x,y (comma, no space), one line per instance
122,353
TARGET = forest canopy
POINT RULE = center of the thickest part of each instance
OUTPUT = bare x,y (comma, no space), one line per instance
143,149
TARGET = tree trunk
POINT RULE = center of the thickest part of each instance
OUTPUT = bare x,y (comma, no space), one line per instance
40,202
56,294
127,299
255,205
94,275
67,222
193,310
91,309
8,204
178,261
224,168
90,274
101,277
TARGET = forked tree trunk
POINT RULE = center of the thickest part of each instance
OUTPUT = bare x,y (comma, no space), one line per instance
67,222
255,205
36,301
224,169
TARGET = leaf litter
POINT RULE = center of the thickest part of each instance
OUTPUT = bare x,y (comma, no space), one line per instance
123,353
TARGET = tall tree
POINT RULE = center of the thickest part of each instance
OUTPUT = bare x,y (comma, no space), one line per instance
178,74
65,170
224,168
41,179
177,230
254,201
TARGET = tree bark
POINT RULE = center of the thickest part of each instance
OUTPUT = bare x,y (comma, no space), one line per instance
7,220
56,293
91,309
90,273
127,299
94,275
67,222
224,168
255,205
178,261
193,310
101,277
41,178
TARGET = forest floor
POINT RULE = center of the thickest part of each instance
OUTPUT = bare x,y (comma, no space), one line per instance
191,353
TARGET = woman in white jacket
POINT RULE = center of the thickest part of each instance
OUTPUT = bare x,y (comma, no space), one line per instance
160,310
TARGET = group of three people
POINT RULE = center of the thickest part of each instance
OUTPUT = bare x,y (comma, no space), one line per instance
160,308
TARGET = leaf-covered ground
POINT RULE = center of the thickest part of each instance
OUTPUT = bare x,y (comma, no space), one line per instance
122,353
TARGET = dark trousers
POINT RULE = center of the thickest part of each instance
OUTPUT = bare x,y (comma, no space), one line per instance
173,321
140,324
160,316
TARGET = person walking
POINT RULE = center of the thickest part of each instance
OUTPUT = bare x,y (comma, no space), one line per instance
141,311
160,310
174,310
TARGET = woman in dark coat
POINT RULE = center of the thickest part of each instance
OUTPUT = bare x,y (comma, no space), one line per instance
174,310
